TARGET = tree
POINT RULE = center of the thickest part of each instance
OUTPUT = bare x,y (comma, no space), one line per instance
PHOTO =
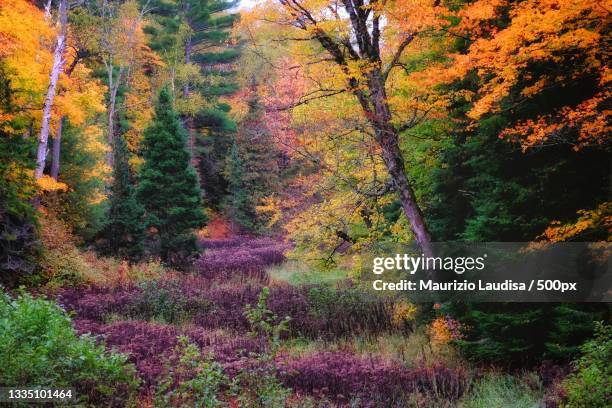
168,185
124,232
18,240
259,152
56,70
364,41
120,41
238,203
545,62
193,37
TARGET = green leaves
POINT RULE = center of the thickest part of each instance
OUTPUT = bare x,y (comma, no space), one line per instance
39,347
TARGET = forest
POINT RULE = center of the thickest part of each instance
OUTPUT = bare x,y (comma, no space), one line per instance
190,192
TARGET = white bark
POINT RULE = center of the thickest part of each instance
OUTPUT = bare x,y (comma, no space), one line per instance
58,65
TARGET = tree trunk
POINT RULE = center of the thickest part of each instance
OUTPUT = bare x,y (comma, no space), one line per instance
58,63
388,140
392,156
57,142
188,47
114,88
188,120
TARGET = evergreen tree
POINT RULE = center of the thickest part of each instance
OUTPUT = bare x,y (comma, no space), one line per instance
258,151
193,36
124,232
238,203
168,185
18,234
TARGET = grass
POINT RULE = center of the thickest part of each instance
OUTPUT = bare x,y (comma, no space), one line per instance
396,346
501,391
297,273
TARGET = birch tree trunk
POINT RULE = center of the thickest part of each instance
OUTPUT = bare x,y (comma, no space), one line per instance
58,64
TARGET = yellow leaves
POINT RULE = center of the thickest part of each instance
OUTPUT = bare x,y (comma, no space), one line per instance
47,184
403,313
191,105
588,119
25,42
271,208
535,88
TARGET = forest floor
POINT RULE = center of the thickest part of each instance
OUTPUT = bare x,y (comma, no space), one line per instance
340,346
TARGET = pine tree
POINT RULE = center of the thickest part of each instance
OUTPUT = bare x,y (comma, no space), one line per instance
124,232
258,151
168,187
238,203
195,34
18,233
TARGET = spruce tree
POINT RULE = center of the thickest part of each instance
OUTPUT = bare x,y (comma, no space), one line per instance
258,150
169,188
196,32
124,232
238,203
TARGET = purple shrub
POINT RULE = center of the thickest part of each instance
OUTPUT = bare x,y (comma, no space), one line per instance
238,241
221,243
226,263
146,343
239,256
149,344
96,303
286,300
270,255
336,375
228,305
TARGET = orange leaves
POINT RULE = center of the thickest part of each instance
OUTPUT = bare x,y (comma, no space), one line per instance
549,44
588,220
415,15
589,120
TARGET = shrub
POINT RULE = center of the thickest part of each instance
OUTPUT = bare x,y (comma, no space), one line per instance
165,301
224,263
590,385
190,379
150,344
39,347
96,303
60,260
349,311
258,387
145,343
239,256
374,380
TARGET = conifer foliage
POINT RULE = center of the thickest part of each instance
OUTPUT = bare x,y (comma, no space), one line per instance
258,150
238,205
124,232
168,187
